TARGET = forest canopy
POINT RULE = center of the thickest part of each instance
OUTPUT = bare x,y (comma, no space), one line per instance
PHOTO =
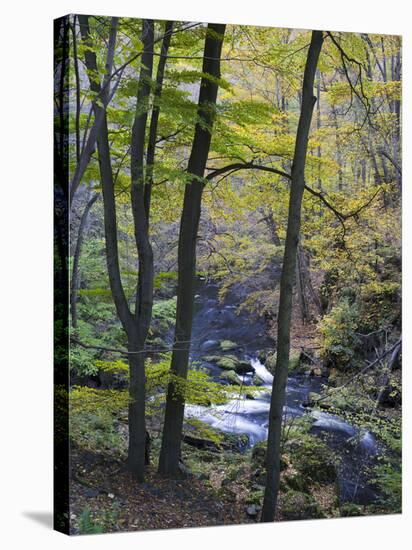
234,199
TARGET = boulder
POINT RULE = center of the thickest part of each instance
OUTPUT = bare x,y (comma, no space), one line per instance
230,377
244,367
227,345
209,344
228,362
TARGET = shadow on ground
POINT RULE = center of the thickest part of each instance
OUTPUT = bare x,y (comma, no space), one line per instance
42,518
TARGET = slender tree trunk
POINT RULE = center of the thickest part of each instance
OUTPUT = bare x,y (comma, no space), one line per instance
99,113
136,325
286,283
154,121
271,225
144,293
175,404
75,282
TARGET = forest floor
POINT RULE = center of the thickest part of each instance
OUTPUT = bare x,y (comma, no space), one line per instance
103,488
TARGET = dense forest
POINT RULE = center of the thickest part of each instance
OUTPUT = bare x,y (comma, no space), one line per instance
234,268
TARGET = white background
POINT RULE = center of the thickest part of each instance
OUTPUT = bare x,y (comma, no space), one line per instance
26,272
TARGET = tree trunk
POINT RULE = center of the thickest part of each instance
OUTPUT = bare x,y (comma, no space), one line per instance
75,282
286,283
136,456
99,113
154,121
175,403
136,325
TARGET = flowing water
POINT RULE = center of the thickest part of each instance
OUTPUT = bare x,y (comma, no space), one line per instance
216,321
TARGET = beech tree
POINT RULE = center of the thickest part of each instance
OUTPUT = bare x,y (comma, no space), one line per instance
287,281
175,403
135,323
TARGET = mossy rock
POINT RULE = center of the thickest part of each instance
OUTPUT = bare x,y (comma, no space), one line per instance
259,454
227,345
294,361
228,363
244,367
312,459
298,505
295,357
230,377
211,358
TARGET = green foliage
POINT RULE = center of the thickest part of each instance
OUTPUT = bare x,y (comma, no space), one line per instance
163,315
87,525
338,333
388,477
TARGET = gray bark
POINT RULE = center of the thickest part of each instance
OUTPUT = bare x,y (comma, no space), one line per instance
75,282
287,280
173,424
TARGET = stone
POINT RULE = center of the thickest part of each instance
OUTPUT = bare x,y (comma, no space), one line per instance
316,371
230,377
91,493
228,363
227,345
244,367
209,344
253,510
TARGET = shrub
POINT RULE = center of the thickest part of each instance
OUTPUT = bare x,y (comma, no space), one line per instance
338,333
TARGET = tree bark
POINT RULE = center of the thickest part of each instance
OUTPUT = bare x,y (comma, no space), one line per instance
154,120
175,403
144,294
136,325
286,283
75,282
95,86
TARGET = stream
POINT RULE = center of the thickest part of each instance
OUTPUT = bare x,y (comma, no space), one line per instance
215,321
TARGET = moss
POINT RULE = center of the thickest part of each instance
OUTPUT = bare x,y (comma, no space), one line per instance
296,481
258,454
312,458
255,497
227,345
294,361
227,363
297,505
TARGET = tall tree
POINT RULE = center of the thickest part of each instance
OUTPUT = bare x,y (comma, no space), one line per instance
75,278
135,323
175,404
286,282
